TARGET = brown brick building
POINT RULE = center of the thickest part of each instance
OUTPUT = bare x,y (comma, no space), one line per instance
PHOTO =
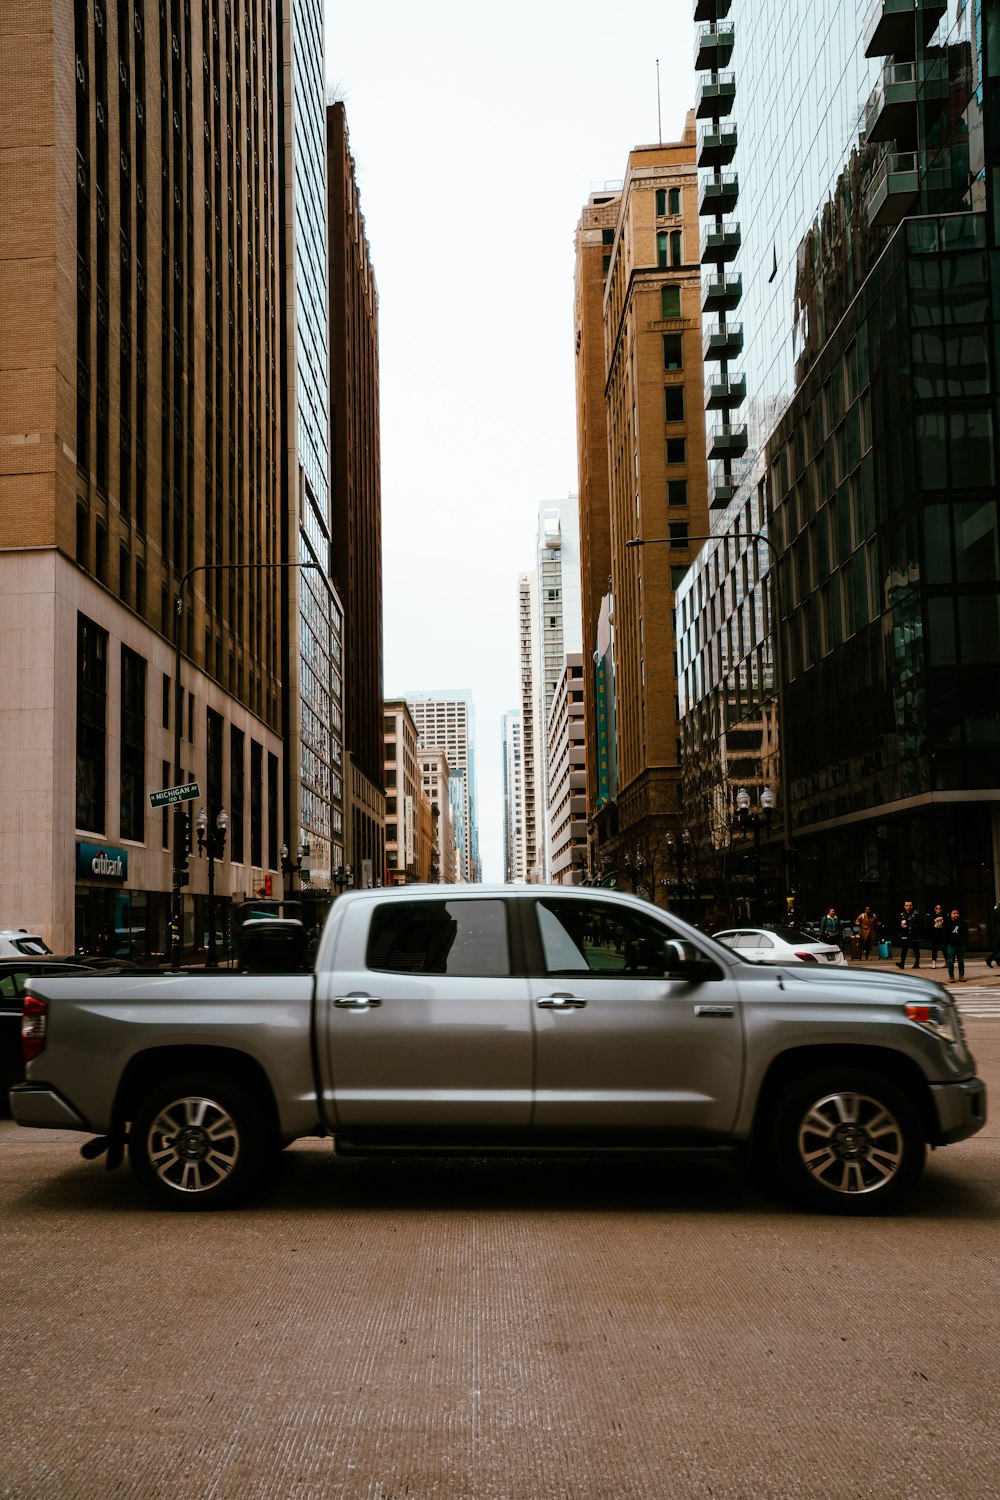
655,479
356,498
140,439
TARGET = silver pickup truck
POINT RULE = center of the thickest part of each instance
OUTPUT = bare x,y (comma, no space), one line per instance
506,1019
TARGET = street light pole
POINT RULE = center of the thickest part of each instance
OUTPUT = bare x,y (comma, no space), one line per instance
775,617
180,863
212,841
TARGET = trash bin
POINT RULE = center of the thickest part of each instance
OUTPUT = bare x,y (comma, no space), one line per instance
856,945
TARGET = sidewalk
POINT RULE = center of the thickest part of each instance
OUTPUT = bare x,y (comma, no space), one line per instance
976,971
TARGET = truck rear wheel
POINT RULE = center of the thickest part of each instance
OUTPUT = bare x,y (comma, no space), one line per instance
197,1142
848,1141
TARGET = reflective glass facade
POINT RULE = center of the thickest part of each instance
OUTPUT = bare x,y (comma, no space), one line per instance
316,791
870,363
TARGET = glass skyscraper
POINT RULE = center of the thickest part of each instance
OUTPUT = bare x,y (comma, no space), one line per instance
864,169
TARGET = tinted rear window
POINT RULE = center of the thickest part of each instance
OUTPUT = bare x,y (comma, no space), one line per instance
440,937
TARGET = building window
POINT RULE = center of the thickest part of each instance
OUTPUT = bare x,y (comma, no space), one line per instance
676,248
237,771
213,729
677,492
256,808
661,249
272,811
673,403
133,746
676,450
678,533
670,301
91,723
673,351
674,201
607,236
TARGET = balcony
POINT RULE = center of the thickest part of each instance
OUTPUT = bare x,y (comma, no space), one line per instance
722,293
713,47
724,392
723,341
890,26
723,489
893,190
720,245
716,147
891,112
719,194
711,10
727,440
716,97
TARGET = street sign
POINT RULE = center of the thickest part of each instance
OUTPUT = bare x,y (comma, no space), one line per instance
174,794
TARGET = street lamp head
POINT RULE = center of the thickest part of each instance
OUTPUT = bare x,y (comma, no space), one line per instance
201,823
283,853
767,801
222,821
743,801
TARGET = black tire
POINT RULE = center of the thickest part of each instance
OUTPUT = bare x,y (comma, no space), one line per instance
846,1141
198,1142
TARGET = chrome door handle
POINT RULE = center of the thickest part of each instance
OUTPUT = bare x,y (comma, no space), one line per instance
356,1002
562,1002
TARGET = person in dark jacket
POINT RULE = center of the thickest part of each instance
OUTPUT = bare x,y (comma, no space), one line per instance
957,938
993,957
936,923
908,934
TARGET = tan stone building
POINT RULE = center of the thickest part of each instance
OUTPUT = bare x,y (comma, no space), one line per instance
409,843
651,362
140,447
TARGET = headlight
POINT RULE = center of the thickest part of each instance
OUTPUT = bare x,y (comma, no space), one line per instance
940,1020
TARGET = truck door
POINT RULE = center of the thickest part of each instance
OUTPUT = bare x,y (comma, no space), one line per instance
620,1046
425,1025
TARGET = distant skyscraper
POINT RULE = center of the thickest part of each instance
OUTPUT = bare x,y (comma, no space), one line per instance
531,745
558,630
446,721
514,863
567,777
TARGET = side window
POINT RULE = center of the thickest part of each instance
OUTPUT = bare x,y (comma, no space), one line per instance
761,940
8,986
440,937
584,937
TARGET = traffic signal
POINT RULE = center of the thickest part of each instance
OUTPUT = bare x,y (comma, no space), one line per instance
186,820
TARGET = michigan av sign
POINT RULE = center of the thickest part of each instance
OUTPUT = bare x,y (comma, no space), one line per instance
171,795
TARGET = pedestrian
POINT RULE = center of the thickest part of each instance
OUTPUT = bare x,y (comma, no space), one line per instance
829,927
957,938
908,933
868,925
936,925
993,957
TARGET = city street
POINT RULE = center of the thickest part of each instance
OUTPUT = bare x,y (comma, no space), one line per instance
516,1331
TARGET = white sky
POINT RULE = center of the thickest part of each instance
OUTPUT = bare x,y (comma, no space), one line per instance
478,133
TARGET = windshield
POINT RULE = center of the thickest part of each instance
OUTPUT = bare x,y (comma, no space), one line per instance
794,936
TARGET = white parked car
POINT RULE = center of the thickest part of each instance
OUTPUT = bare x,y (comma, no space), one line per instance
780,945
17,943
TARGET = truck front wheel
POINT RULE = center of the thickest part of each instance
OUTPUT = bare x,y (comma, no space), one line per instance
197,1142
846,1140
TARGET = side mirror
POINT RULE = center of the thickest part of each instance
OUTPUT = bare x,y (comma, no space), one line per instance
684,961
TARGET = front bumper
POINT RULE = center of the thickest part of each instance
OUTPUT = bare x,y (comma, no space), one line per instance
39,1105
961,1109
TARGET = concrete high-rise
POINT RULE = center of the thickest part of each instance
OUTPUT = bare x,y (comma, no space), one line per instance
651,362
355,494
446,721
143,431
515,866
531,743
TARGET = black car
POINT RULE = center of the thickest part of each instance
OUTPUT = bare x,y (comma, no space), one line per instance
14,976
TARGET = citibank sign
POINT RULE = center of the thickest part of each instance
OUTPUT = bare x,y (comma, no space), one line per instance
95,861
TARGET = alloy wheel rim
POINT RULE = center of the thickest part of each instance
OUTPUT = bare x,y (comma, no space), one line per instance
193,1144
850,1143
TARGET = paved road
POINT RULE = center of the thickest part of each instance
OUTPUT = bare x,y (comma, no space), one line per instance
496,1333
